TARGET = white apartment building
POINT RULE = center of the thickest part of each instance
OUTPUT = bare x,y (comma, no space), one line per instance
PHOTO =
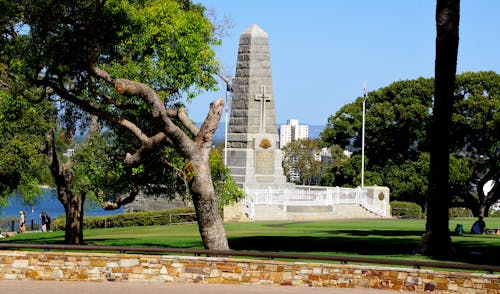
292,131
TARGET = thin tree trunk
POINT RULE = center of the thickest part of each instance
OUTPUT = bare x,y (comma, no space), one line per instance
436,240
483,210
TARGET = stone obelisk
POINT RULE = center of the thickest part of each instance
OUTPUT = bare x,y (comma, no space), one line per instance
252,153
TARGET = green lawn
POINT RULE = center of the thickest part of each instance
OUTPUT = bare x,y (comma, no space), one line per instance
395,238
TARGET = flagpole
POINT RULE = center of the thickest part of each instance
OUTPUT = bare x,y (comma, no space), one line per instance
363,138
229,89
225,132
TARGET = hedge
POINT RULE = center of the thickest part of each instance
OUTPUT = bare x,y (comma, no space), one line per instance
406,209
460,212
142,218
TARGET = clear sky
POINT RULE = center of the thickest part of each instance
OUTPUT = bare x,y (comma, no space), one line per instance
323,50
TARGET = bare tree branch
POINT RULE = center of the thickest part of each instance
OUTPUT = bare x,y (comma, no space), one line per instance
109,100
132,88
122,200
87,106
94,127
181,114
3,84
102,74
148,144
226,80
220,26
211,122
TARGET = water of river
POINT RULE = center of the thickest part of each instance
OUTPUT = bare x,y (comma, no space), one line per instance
48,203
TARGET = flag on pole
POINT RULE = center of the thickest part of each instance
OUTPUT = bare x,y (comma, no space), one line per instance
229,84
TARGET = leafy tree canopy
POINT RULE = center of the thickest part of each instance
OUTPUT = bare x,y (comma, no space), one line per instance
397,139
132,64
306,158
59,44
23,126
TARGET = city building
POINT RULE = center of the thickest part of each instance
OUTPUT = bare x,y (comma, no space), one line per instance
292,131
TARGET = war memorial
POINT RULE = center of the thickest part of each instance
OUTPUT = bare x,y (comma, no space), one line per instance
252,151
256,161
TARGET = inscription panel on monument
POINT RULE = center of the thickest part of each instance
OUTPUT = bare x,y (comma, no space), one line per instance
264,161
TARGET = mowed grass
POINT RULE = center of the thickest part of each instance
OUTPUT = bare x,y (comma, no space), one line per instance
394,238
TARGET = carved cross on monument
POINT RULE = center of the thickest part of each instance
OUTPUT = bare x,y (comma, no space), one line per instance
263,98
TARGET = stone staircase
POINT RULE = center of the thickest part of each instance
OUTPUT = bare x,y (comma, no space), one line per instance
269,212
353,211
299,213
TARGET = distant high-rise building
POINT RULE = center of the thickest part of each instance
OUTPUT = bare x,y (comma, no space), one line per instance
292,131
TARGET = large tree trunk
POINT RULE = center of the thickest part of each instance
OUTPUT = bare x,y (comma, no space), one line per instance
205,202
73,206
436,240
72,202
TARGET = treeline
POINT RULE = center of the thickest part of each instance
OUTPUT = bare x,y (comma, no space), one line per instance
397,143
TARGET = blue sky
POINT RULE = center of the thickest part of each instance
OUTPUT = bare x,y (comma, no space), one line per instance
323,50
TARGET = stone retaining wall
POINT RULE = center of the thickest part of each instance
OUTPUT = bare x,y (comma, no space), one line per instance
102,267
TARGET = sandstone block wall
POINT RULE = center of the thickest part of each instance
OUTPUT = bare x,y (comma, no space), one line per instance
22,265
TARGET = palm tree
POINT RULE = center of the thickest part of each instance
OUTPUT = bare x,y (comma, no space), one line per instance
437,241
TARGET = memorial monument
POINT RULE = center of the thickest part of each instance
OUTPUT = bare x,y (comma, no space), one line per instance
252,150
256,161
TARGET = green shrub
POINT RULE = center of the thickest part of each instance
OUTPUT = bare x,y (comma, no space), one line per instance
8,224
460,212
403,209
494,213
128,219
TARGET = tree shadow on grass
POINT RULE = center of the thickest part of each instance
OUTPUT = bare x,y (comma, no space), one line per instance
145,243
132,242
383,233
369,243
55,239
476,252
364,246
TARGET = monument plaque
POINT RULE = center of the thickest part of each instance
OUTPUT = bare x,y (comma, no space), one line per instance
264,161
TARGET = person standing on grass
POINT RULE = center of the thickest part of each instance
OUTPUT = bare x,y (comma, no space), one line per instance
44,222
47,221
22,221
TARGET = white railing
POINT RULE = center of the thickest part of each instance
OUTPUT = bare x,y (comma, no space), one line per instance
312,196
